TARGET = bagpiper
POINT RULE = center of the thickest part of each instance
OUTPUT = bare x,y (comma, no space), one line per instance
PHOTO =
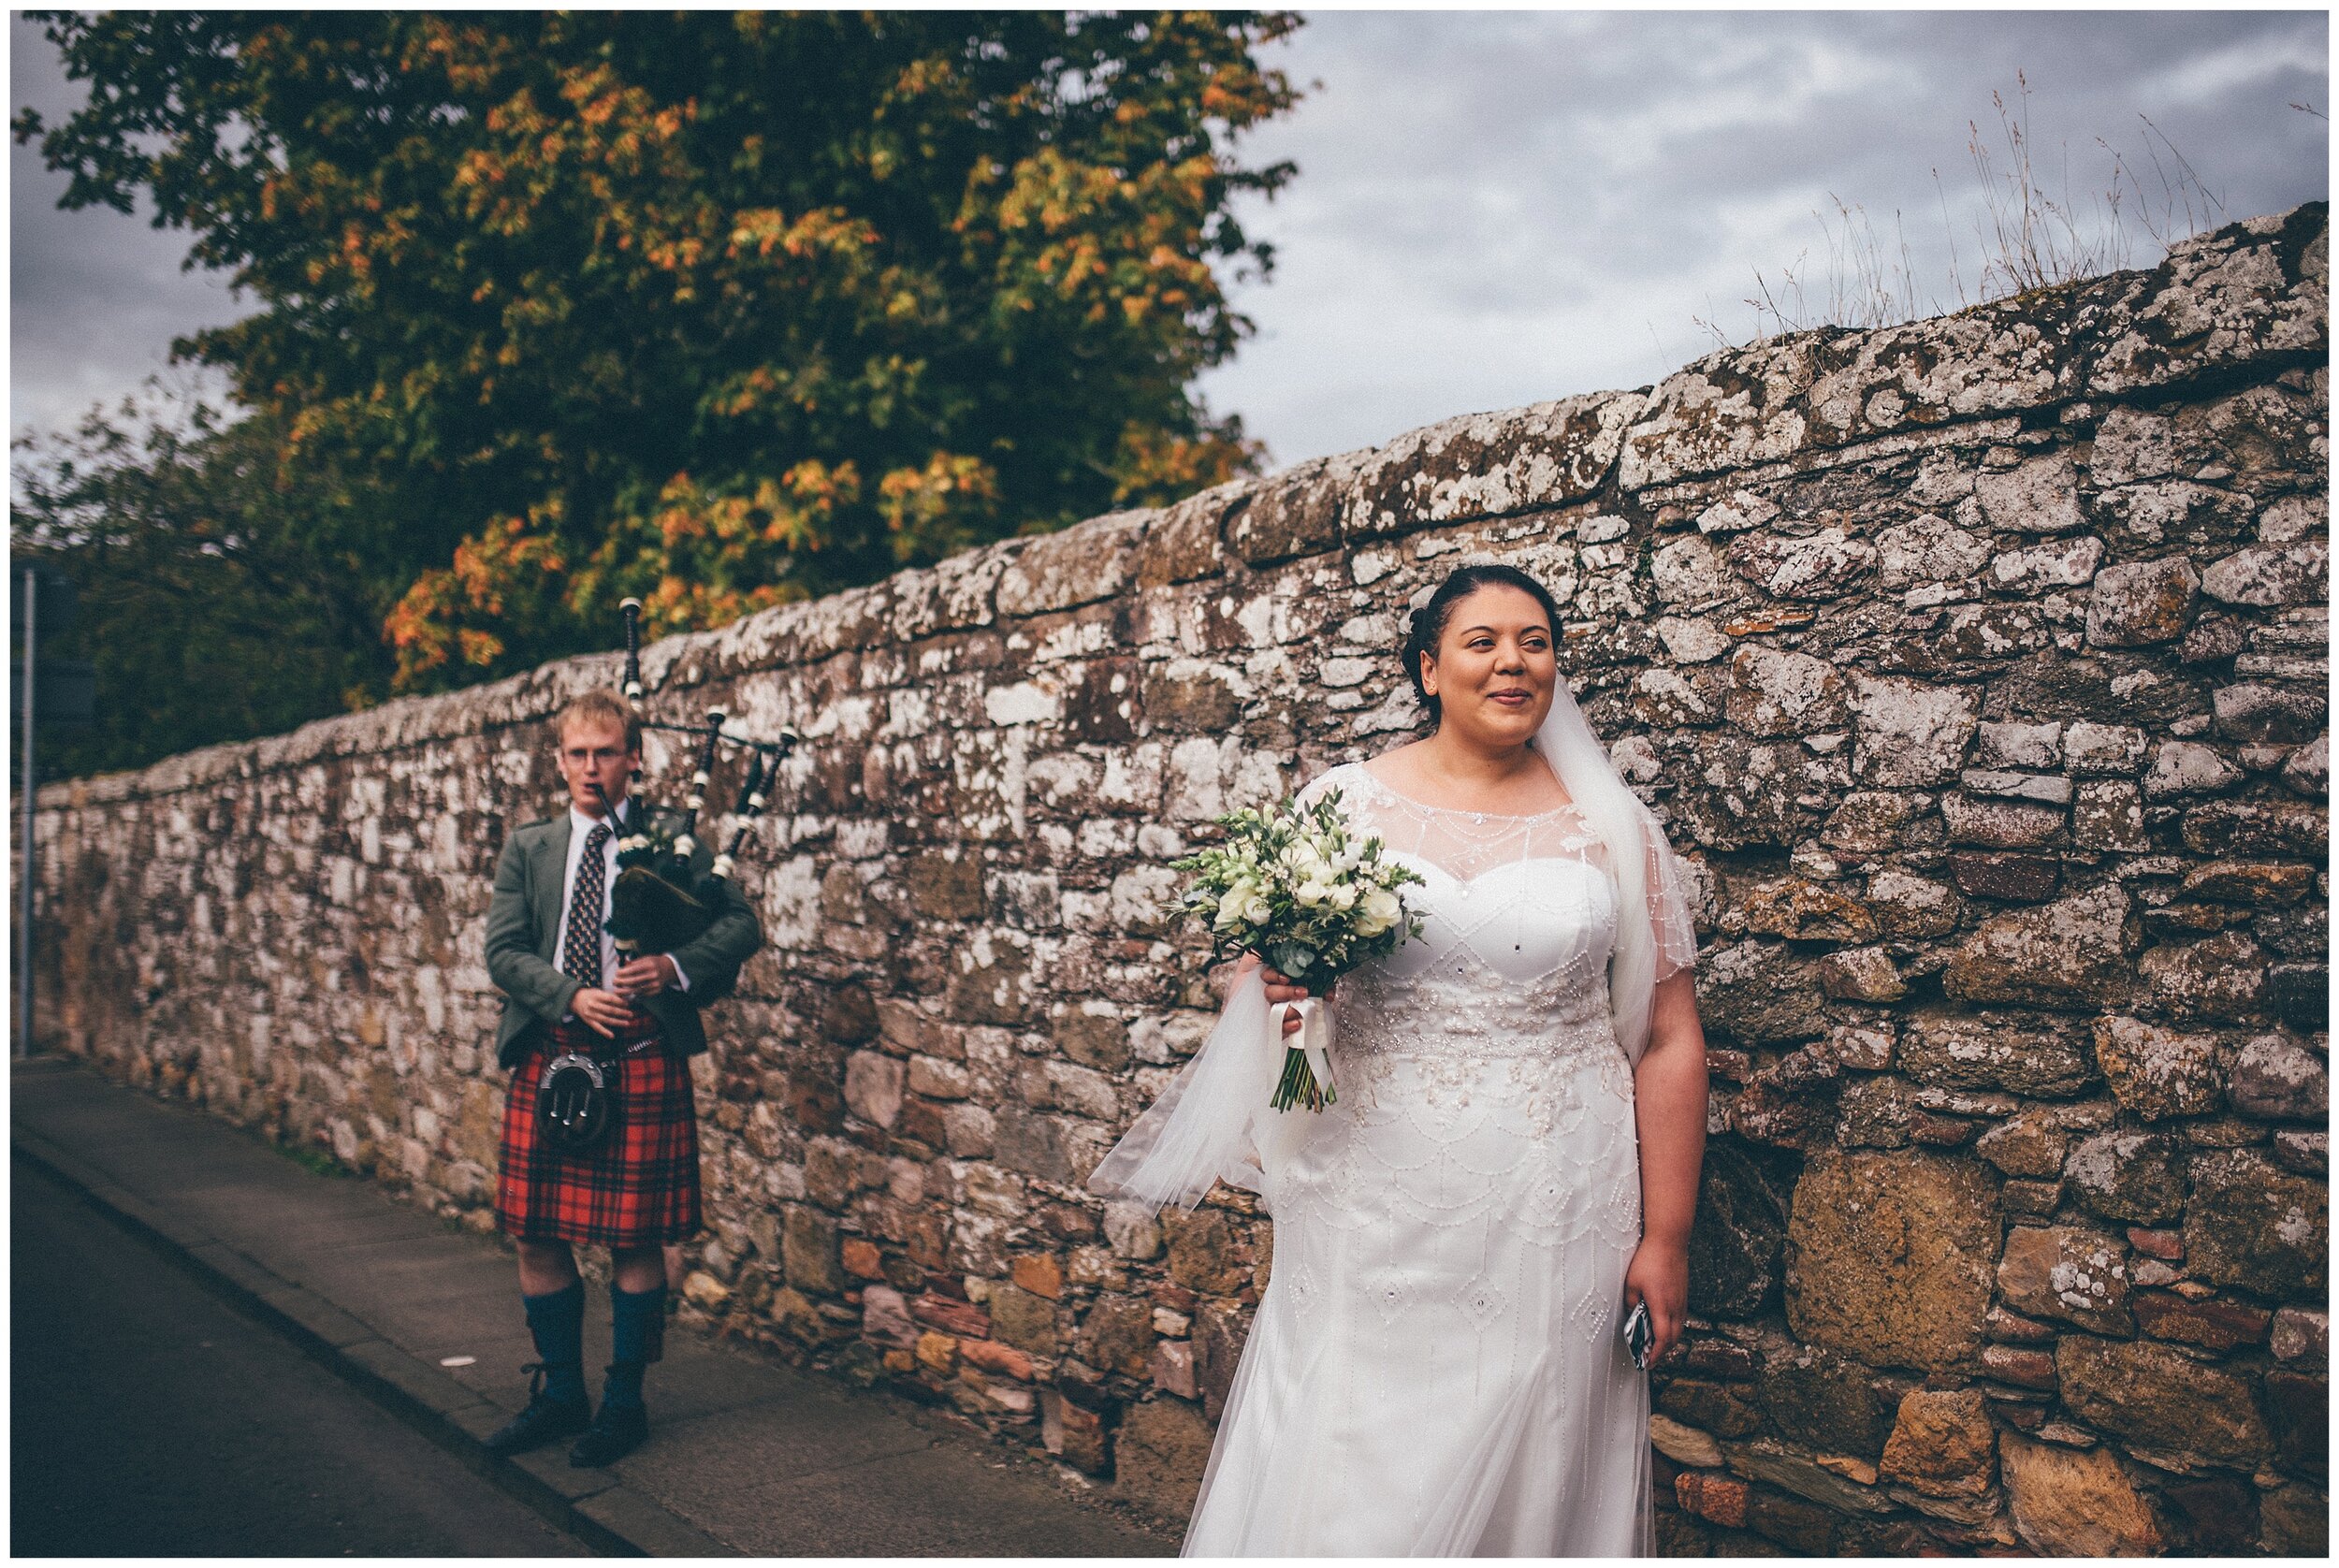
600,1137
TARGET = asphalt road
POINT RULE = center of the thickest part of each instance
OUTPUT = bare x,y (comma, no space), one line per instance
148,1418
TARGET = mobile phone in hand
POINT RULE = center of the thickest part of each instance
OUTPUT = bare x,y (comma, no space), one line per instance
1640,1338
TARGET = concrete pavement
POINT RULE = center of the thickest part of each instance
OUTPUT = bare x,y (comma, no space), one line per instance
746,1455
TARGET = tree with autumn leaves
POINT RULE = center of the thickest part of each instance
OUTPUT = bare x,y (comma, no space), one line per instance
717,310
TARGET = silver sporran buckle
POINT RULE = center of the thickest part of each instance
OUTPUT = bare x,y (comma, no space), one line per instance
573,1104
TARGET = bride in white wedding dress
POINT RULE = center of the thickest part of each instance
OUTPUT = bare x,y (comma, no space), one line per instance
1511,1161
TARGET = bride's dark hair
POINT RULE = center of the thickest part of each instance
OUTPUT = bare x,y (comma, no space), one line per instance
1429,622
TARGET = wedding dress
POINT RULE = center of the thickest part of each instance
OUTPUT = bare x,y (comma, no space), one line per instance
1436,1366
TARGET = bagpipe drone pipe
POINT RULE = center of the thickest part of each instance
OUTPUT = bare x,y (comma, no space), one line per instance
660,900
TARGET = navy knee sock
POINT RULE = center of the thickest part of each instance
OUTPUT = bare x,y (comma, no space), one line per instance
638,1334
557,1323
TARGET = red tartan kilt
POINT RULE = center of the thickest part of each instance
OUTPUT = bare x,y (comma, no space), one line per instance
639,1189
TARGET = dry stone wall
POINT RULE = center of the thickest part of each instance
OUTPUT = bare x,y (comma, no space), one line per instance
1978,665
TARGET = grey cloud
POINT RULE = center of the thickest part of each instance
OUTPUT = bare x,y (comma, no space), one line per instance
1494,208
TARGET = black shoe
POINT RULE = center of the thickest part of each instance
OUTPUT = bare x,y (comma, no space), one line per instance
617,1431
543,1421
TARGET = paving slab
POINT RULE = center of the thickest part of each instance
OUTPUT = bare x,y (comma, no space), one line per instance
745,1454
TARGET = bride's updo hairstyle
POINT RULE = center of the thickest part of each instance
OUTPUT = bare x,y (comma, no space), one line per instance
1638,852
1429,622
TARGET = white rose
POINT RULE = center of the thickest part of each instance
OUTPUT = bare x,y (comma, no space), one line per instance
1380,910
1257,910
1231,906
1345,897
1310,893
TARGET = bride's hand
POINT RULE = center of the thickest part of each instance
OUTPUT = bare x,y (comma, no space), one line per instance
1281,990
1659,1275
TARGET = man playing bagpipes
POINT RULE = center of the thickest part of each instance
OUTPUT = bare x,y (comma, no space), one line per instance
600,1144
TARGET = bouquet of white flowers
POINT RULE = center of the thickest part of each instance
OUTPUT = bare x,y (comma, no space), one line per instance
1294,886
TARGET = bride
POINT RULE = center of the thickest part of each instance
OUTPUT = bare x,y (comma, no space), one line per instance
1512,1159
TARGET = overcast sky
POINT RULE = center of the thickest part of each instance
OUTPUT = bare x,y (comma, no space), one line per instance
1494,208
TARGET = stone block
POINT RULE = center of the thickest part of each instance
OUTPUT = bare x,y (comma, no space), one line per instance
2137,603
1909,734
2277,1080
1084,563
2068,1271
1077,1434
2052,565
1774,691
2093,750
873,1087
2040,495
1684,1444
2028,1053
2211,1323
1862,975
2031,1144
2047,789
1760,992
2069,1502
1493,464
2015,879
1115,1335
2256,713
1296,514
2256,883
2162,1399
1908,907
1806,1477
1182,543
2219,977
2257,1227
2258,827
2108,814
1738,1237
1942,1444
1822,1400
2023,1368
2213,1513
1716,1407
2003,824
2268,576
1204,1256
2074,952
2128,1176
945,886
2155,1071
2308,769
808,1250
1891,1257
1827,564
2294,1521
2301,1336
1173,1369
2184,767
1926,551
1805,910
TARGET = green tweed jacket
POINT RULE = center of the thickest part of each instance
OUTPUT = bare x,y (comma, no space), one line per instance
524,946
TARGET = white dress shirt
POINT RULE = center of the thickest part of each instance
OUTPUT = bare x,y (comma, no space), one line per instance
580,826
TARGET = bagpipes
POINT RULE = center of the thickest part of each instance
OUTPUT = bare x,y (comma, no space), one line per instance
660,900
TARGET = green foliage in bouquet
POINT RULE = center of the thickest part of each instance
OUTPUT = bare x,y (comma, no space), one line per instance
1313,899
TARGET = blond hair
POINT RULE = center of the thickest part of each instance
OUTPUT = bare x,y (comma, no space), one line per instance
601,706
